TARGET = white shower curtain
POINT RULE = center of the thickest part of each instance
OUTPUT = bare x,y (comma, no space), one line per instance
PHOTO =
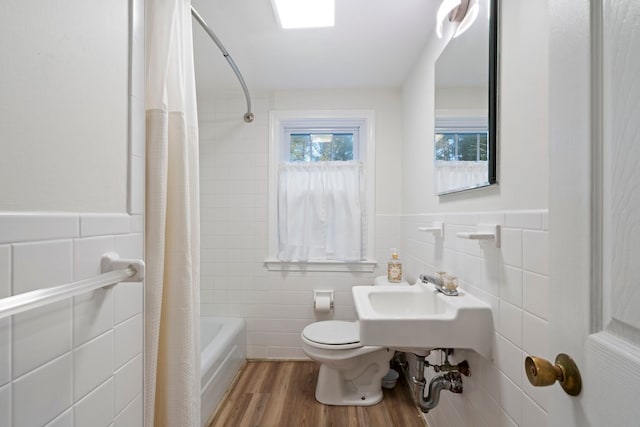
172,289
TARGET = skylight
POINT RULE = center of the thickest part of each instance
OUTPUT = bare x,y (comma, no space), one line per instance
305,14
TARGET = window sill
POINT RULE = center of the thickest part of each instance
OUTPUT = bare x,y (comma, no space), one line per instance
359,267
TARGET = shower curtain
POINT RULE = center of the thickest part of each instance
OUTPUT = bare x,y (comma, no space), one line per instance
172,317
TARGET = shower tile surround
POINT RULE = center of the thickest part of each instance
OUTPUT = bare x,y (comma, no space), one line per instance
65,361
513,280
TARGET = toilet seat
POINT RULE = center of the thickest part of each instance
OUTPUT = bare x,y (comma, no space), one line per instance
332,335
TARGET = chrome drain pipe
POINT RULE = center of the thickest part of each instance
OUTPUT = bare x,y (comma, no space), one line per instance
450,380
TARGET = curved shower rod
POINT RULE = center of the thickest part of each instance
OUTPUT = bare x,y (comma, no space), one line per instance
248,116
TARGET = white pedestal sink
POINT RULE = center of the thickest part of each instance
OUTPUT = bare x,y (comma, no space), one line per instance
418,318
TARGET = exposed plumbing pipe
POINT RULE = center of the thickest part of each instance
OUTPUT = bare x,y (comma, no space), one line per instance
248,116
450,380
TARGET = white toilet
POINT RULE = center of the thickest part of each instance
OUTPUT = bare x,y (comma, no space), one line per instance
350,373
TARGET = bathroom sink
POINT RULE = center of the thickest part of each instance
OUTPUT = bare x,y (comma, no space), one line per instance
406,317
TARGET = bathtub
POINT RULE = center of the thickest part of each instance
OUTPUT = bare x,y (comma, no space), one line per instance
223,351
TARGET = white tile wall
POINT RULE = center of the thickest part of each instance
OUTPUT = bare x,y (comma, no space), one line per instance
44,393
234,213
92,364
58,362
5,405
514,281
96,409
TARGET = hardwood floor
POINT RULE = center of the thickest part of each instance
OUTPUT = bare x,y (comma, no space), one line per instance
281,394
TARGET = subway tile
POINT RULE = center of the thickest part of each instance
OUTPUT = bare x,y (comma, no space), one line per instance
5,405
42,265
5,350
39,335
535,336
23,227
511,285
511,323
130,246
63,420
511,247
128,301
103,224
128,383
5,271
540,395
128,340
535,249
131,416
137,223
44,393
92,364
536,294
532,414
95,409
509,360
511,399
92,314
524,219
87,256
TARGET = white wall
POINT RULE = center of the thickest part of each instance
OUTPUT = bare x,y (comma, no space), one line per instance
72,144
64,99
523,122
234,196
514,278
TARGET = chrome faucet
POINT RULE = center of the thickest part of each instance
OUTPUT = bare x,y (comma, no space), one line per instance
439,284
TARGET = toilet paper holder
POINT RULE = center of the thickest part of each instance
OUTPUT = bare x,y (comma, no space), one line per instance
321,295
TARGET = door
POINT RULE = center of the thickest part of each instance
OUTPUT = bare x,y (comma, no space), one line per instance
594,208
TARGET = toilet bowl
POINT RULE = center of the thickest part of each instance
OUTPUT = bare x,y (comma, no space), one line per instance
350,373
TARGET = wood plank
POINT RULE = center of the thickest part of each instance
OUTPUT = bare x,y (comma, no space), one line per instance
282,394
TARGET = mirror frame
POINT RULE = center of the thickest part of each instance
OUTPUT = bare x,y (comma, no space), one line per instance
492,119
493,92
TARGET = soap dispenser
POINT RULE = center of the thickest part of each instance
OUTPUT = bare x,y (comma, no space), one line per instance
394,268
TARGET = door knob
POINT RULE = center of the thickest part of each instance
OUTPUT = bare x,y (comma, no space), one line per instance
541,372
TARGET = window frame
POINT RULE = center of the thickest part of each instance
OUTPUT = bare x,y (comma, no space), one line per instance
280,122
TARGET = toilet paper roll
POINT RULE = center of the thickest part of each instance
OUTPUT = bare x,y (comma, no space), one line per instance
322,304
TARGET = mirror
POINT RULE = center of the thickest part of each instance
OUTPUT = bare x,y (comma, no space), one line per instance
465,106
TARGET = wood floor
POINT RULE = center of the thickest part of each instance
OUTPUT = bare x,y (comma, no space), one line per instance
281,394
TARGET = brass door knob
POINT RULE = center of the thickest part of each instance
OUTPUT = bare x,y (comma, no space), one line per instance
541,373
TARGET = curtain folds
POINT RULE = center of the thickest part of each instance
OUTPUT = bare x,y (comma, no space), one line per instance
450,175
320,211
172,235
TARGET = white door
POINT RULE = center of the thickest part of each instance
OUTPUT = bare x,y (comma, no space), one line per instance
594,208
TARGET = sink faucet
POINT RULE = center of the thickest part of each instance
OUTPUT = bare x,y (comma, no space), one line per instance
439,284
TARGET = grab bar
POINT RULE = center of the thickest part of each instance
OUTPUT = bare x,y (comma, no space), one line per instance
115,270
248,116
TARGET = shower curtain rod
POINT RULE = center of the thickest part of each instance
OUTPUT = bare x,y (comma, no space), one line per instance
248,116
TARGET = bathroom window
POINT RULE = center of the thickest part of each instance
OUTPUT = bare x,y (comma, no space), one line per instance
461,146
321,191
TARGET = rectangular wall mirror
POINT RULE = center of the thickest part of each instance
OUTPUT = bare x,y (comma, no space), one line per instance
466,106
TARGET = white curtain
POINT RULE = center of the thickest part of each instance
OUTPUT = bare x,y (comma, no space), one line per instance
320,211
172,289
451,175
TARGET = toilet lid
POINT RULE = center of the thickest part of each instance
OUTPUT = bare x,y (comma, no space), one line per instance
333,332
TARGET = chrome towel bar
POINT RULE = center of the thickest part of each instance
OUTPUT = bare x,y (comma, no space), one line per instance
115,270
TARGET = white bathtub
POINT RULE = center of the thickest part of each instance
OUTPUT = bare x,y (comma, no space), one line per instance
223,351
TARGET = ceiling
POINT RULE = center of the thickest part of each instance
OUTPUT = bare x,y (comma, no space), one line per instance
373,45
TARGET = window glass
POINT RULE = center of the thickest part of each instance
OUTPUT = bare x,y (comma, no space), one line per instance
321,147
461,146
